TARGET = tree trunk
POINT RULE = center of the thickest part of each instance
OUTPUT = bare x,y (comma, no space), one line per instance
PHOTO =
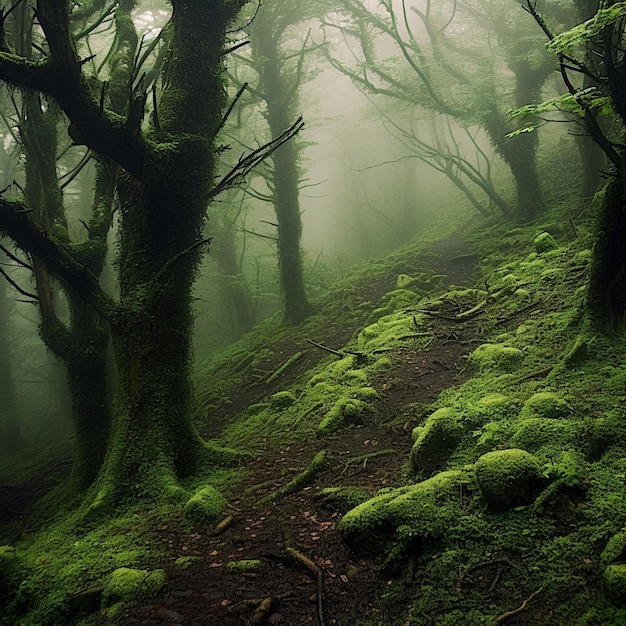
10,430
607,284
235,289
154,443
280,100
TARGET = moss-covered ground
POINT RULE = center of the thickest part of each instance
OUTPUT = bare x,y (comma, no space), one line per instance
473,468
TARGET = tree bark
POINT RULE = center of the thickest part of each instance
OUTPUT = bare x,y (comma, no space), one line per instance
280,99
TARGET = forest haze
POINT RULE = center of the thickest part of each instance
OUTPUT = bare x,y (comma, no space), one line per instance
323,296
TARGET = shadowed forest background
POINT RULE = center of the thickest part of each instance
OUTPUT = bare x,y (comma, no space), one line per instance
312,312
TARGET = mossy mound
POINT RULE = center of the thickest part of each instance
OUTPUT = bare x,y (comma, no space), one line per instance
344,410
545,404
491,407
128,584
426,510
615,584
495,357
544,242
204,507
342,499
282,400
533,433
508,478
436,441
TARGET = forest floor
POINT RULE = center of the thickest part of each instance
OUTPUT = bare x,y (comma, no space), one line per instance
283,588
504,357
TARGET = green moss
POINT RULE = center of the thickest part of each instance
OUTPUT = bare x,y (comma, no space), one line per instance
342,499
490,407
439,437
403,281
185,562
128,584
244,566
532,433
495,357
545,404
508,478
344,410
282,400
204,507
426,510
615,584
544,242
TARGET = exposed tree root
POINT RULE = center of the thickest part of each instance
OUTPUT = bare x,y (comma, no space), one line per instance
364,458
288,363
302,479
317,573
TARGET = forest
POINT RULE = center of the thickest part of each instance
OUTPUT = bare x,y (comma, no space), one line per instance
312,312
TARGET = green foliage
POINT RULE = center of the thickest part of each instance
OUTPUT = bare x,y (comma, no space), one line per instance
566,43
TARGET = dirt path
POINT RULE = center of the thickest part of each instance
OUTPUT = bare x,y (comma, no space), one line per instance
283,590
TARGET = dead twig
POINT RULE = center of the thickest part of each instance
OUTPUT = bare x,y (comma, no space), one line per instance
519,609
544,371
322,347
317,572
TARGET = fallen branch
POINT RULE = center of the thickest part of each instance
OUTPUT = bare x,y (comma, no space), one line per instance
302,479
544,371
321,347
223,525
317,572
506,318
519,609
364,458
288,363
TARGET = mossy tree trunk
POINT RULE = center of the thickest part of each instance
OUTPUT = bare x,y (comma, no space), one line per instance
164,187
280,97
235,288
10,429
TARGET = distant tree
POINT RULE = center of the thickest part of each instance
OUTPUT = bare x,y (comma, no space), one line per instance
466,60
167,175
280,69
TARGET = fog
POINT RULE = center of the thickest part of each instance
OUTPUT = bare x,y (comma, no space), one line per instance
403,129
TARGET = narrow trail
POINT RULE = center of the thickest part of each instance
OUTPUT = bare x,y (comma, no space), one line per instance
284,590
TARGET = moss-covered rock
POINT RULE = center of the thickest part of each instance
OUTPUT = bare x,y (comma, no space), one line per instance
344,410
545,404
435,442
244,566
426,510
342,499
533,432
544,242
204,507
615,584
495,357
490,407
127,584
508,478
282,400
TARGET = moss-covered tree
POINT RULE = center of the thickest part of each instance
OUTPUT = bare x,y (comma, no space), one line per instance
465,60
600,93
166,178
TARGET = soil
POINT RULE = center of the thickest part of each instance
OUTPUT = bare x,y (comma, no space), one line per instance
339,583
